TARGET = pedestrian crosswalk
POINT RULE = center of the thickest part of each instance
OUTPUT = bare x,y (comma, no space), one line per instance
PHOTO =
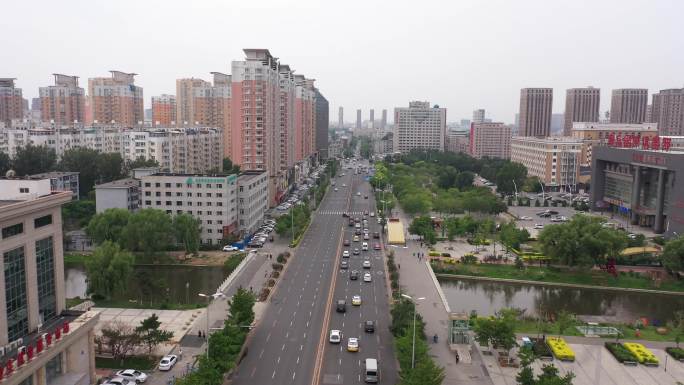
331,212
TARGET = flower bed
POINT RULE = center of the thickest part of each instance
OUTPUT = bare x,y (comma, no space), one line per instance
642,353
560,349
621,353
541,350
676,353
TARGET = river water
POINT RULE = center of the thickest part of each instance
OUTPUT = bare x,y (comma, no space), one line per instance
487,297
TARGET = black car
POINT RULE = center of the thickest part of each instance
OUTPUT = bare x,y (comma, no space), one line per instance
351,223
369,326
341,306
357,232
346,242
354,275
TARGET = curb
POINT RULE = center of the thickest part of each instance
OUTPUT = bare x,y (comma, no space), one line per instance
241,266
438,287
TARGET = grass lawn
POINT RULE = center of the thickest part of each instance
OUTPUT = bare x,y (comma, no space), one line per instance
72,260
135,362
556,275
648,333
147,305
73,302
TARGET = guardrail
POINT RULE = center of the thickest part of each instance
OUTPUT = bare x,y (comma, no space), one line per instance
224,285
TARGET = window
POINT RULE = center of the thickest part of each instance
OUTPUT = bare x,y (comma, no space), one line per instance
42,221
219,185
199,212
148,203
208,185
179,185
23,190
209,195
148,184
11,231
167,185
179,194
15,294
45,268
168,193
157,194
179,203
157,184
188,194
209,231
158,203
179,212
148,193
199,194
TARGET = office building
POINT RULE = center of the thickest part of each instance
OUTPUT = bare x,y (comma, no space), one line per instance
340,118
358,119
479,116
459,142
118,194
419,127
668,111
212,199
535,112
372,118
383,122
164,111
61,181
116,100
491,140
594,134
554,160
11,101
63,103
581,105
321,125
642,184
40,342
628,105
252,200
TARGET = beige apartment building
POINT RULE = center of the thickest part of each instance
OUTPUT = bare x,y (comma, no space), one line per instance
11,101
581,105
668,111
116,100
419,127
629,105
554,160
535,112
491,140
459,141
40,341
185,100
63,103
164,110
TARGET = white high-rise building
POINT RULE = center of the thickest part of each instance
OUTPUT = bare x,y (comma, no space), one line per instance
419,127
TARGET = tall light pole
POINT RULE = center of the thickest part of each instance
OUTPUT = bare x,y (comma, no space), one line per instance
209,297
413,348
516,189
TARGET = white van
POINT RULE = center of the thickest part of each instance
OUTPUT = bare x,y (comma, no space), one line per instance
372,373
364,246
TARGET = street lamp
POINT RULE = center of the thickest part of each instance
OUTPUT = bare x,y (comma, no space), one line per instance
413,349
209,297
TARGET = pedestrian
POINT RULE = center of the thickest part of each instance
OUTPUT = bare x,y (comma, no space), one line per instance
199,334
399,265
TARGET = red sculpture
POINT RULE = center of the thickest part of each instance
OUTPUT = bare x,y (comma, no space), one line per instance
65,328
39,345
9,367
48,339
20,359
58,334
29,352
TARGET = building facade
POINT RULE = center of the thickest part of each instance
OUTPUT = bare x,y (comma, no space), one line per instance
358,119
322,123
185,100
340,117
459,142
63,103
554,160
164,111
118,194
116,100
581,105
61,181
479,115
642,184
594,134
41,343
491,140
252,200
628,105
419,127
11,101
383,122
668,111
535,112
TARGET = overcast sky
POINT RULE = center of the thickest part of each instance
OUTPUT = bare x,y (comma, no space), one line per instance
460,54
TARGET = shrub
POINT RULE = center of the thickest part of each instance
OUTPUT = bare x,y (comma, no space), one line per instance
643,354
536,203
620,352
271,282
541,349
676,353
263,296
561,350
281,259
468,259
275,274
277,266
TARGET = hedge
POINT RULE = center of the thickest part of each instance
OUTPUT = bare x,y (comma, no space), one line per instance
620,352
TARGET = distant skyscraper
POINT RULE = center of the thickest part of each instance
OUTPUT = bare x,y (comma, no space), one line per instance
372,118
64,102
358,118
668,111
383,124
35,104
419,127
581,105
11,101
479,115
340,118
164,110
649,113
321,124
116,99
535,111
628,105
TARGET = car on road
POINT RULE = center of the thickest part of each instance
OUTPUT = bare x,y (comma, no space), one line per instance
345,254
376,235
376,246
365,212
352,344
351,223
346,242
344,265
336,189
335,337
341,306
364,246
358,193
119,381
344,184
358,226
372,214
367,277
356,300
365,197
525,218
132,375
369,326
230,248
538,226
354,275
366,264
356,238
356,251
167,362
366,237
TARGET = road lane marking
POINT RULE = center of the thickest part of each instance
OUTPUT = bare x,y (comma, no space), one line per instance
261,354
283,348
268,337
297,359
273,375
251,375
278,359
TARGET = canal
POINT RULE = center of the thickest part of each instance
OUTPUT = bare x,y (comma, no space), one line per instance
487,297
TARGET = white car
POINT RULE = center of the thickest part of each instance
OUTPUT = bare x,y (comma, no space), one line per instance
366,264
167,362
367,277
132,375
352,344
364,246
230,248
358,193
538,226
372,214
336,189
345,254
525,218
344,184
119,381
335,337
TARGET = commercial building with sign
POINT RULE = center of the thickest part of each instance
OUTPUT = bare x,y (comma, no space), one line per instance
641,183
211,199
593,134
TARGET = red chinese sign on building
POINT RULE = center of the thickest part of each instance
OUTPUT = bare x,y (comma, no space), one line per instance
637,141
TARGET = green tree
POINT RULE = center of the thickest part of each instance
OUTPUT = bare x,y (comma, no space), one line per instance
511,236
508,174
426,372
564,321
149,333
84,161
532,184
140,162
121,338
108,226
187,230
464,180
5,163
447,177
242,308
422,226
673,254
148,231
77,214
110,167
229,167
32,159
419,203
108,270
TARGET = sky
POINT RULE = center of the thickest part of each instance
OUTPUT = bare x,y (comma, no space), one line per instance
460,54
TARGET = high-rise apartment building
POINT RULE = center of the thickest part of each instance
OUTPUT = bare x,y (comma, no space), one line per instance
211,107
321,123
63,103
535,112
358,119
164,110
185,100
491,140
383,123
116,99
581,105
11,101
479,115
419,127
340,118
305,118
372,118
668,111
628,105
286,118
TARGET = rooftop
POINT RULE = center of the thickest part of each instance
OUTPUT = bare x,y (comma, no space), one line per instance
53,174
120,183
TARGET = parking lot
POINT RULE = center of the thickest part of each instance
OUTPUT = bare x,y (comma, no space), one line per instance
531,212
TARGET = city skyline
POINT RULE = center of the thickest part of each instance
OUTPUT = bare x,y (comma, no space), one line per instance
463,85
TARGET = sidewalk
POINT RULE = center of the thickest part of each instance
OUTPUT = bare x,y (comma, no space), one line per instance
416,280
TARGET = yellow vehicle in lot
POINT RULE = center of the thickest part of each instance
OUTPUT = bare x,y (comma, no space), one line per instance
352,344
356,300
